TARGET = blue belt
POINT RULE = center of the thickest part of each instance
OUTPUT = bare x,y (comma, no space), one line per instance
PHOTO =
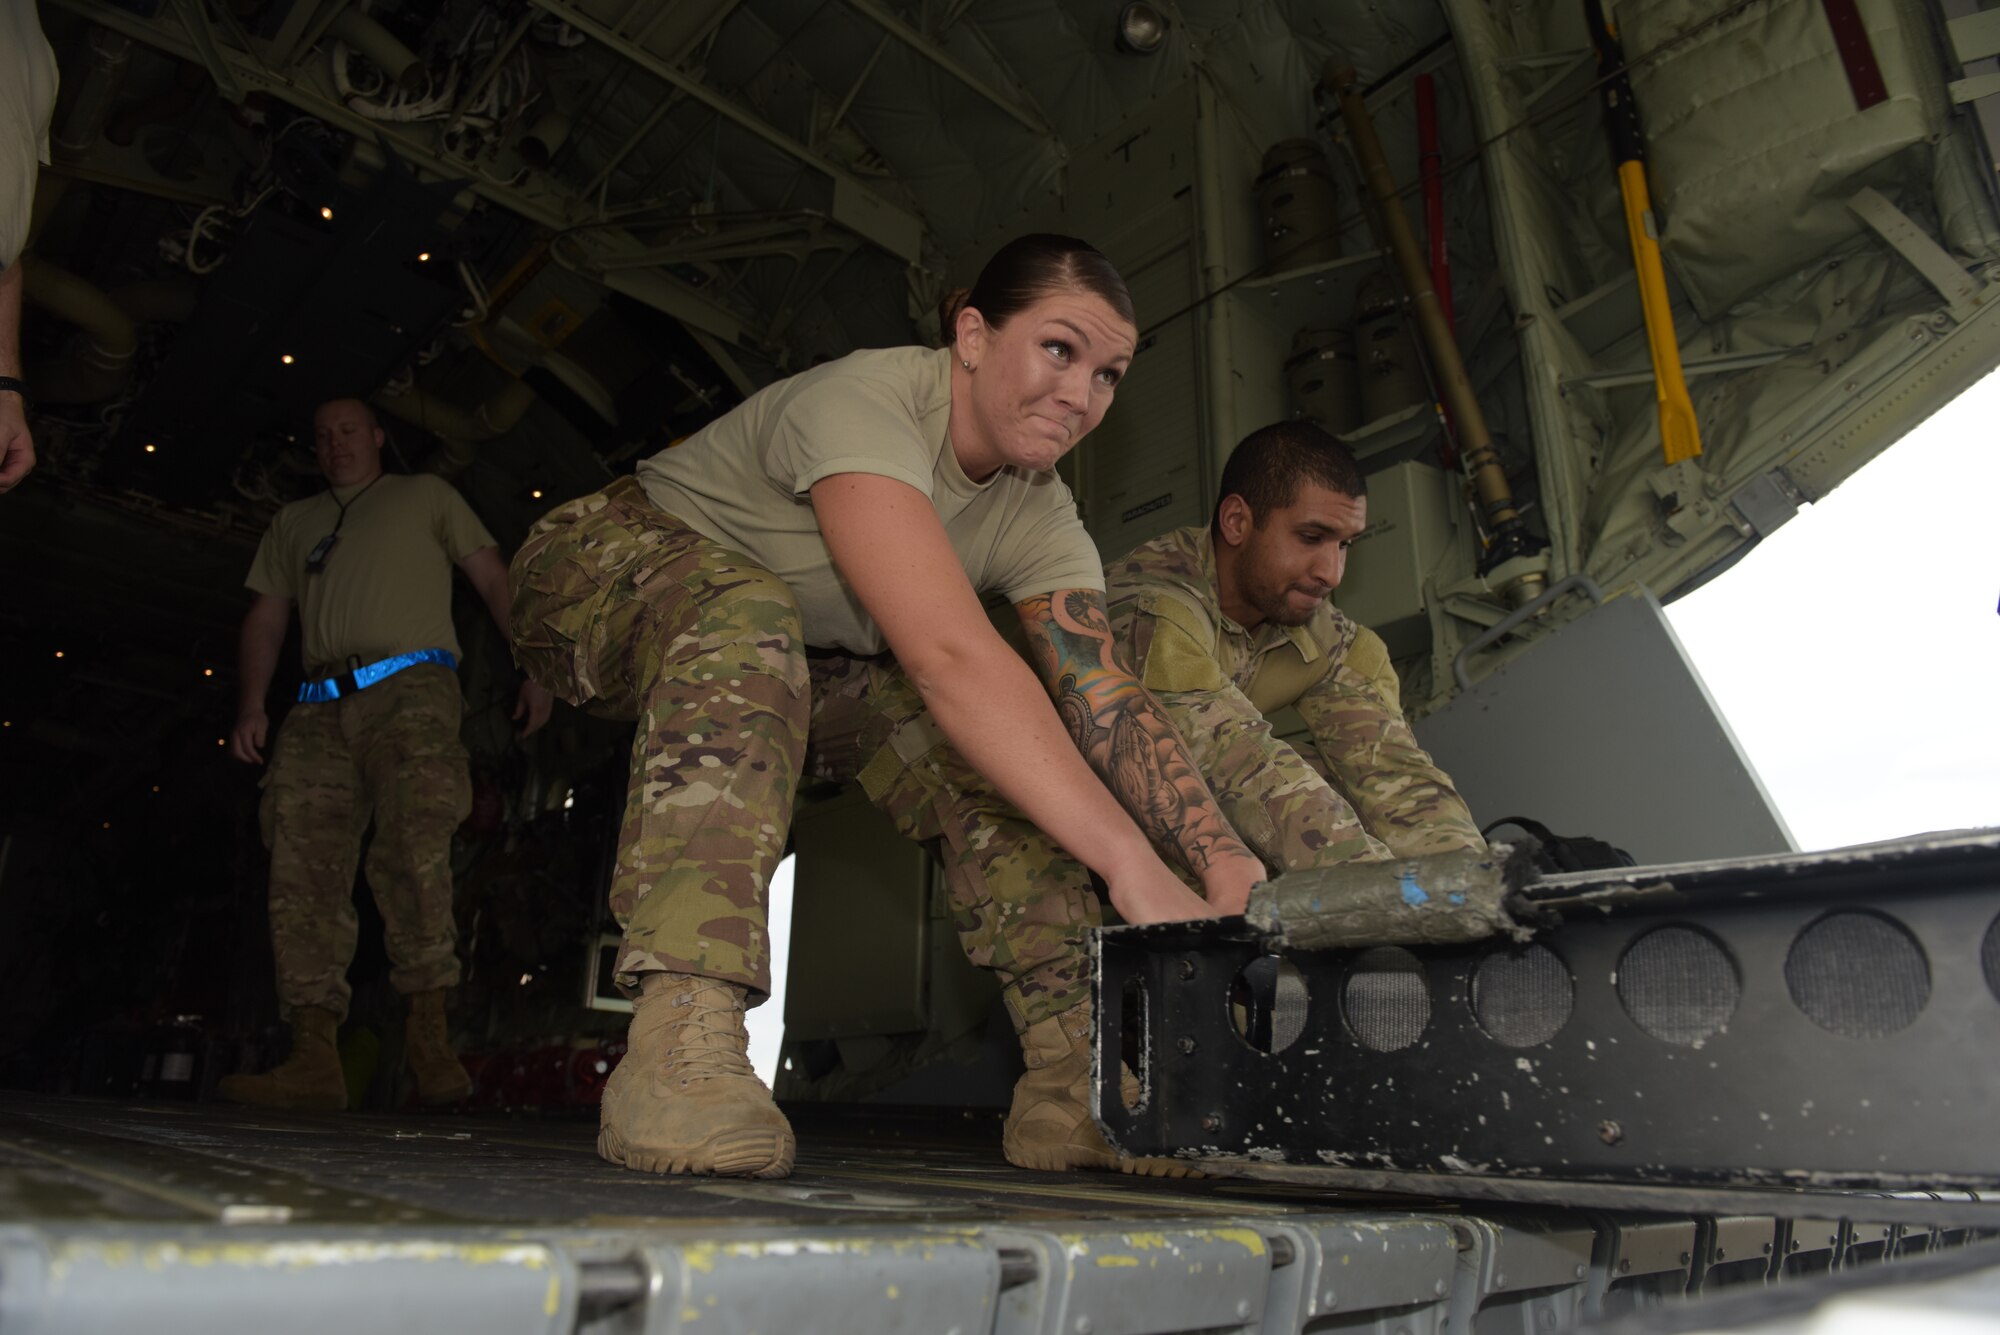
361,678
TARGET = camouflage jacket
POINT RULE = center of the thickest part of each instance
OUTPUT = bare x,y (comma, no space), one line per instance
1371,791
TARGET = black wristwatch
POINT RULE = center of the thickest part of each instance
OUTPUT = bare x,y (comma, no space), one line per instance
8,382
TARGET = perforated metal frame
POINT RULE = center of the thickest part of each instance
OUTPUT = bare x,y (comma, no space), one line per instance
1889,1094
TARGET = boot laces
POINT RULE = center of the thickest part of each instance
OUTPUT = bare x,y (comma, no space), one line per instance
712,1041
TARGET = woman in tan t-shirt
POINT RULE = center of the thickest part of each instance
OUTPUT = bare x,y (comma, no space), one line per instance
875,483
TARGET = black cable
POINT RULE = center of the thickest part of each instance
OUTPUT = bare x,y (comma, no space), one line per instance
316,559
1402,67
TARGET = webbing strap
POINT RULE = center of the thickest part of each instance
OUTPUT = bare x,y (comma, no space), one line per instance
361,678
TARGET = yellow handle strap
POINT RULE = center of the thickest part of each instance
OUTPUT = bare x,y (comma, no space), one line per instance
1680,436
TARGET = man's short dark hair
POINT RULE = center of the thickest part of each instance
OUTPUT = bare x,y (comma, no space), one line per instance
374,418
1266,469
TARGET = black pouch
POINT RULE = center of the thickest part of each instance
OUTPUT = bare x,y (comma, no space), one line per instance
1552,852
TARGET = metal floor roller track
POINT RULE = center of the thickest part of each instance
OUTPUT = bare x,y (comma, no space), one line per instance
174,1218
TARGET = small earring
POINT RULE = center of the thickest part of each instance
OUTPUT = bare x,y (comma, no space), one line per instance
966,364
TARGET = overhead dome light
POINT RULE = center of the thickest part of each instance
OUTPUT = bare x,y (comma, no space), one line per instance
1141,28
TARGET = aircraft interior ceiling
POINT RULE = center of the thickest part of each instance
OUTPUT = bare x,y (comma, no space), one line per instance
559,234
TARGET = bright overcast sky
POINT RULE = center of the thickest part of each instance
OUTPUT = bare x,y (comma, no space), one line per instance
766,1024
1856,651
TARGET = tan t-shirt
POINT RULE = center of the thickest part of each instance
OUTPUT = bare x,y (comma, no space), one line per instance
386,588
27,100
745,481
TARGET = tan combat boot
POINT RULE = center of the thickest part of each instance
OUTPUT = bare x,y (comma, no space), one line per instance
439,1076
309,1080
685,1099
1049,1127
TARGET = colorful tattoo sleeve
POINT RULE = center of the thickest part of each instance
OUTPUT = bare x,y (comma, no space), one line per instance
1121,730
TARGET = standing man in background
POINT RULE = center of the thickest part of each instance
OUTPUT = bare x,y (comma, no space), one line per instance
375,734
27,101
1228,624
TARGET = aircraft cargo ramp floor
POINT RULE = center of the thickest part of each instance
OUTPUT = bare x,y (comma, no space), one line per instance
175,1217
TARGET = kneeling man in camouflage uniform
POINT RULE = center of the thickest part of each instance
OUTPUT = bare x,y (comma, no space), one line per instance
1223,626
1228,624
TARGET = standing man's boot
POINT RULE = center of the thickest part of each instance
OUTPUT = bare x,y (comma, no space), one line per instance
685,1099
440,1077
309,1080
1049,1126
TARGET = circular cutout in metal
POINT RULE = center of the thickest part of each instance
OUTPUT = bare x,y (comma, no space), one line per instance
1679,985
1989,958
1859,975
1267,1003
1522,997
1387,998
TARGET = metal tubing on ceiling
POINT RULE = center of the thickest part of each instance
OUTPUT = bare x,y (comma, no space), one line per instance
903,225
499,58
195,19
705,31
553,208
653,118
949,19
798,293
794,236
886,19
725,358
854,89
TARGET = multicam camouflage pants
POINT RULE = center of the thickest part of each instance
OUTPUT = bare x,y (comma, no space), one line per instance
390,752
1021,905
622,608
